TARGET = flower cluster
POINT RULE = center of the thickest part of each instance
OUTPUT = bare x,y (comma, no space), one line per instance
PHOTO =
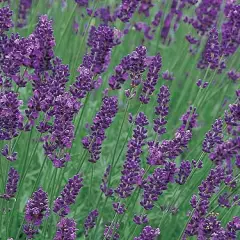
127,9
108,192
102,121
132,172
148,233
68,196
11,119
156,183
152,77
11,186
132,66
66,229
24,7
36,210
161,110
90,221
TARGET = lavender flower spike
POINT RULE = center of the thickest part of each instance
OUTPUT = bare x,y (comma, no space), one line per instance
36,210
90,221
148,233
127,9
151,81
5,19
102,121
66,229
11,186
68,196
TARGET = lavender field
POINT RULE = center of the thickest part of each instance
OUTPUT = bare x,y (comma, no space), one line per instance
120,119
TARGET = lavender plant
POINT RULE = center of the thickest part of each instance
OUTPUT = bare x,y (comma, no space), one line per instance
119,119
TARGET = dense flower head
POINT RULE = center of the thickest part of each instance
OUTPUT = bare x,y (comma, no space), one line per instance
148,233
183,172
189,119
232,117
66,229
145,7
68,195
101,40
223,153
36,210
156,183
90,221
213,137
206,15
43,42
11,119
5,19
11,186
157,18
212,52
231,30
233,75
108,192
24,7
161,110
132,173
102,121
168,149
119,208
151,80
140,219
132,66
127,9
111,231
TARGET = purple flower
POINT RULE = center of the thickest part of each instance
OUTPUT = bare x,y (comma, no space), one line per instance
11,119
111,231
108,192
11,186
132,172
9,156
189,119
213,137
234,75
212,52
225,151
82,3
168,76
42,41
152,78
145,28
223,200
191,39
183,173
127,9
119,208
148,233
102,121
24,7
68,196
145,6
132,66
66,229
90,221
161,110
140,219
206,15
232,117
156,183
36,210
5,19
231,30
101,40
157,19
168,149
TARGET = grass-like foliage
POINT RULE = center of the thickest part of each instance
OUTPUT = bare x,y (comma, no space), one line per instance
119,119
